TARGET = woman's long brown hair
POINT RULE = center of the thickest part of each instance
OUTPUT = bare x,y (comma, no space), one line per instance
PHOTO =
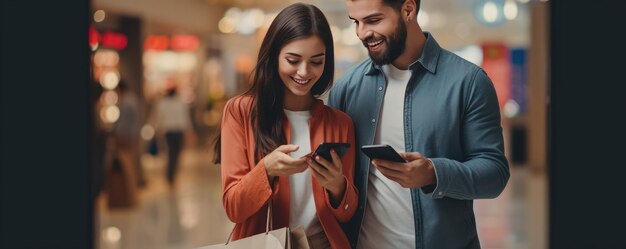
296,21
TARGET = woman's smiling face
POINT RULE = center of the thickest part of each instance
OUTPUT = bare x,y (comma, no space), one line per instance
300,65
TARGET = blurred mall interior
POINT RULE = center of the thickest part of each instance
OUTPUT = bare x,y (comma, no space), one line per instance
206,49
73,72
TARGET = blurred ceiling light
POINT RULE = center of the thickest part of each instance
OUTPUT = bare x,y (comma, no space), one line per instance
110,97
246,25
99,16
490,12
99,58
250,21
257,16
245,22
233,12
523,1
511,108
423,19
106,58
110,114
510,9
109,80
112,234
147,132
227,25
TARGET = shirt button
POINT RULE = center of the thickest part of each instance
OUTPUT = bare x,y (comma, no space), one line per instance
380,88
373,120
440,193
345,207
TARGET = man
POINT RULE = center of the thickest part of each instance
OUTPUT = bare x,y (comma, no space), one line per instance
439,108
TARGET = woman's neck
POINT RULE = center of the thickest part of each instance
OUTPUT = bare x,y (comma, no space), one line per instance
298,103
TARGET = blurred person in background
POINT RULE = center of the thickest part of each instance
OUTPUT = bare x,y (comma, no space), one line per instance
172,121
440,111
268,132
122,166
127,130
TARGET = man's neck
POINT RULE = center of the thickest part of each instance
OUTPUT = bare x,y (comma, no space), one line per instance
415,41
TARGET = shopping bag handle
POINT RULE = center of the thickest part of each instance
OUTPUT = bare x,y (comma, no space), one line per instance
268,222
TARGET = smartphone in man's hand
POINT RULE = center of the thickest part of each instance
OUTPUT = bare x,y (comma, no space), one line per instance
382,151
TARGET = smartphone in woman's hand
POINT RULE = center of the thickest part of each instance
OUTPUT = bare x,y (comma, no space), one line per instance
323,150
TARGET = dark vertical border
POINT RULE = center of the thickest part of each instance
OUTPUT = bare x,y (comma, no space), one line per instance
587,165
46,125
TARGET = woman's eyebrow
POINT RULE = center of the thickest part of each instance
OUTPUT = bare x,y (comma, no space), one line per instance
297,55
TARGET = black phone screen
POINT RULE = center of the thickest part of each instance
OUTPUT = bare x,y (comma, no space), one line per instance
323,150
382,151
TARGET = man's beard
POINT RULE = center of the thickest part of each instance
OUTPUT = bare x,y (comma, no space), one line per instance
395,46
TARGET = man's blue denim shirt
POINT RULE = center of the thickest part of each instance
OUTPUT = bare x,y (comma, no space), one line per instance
451,116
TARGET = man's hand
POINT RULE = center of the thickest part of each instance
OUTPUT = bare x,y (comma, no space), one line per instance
417,172
280,163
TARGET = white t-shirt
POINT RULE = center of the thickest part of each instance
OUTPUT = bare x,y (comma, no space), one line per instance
388,220
302,211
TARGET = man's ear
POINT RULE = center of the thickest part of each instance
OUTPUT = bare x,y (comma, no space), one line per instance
408,11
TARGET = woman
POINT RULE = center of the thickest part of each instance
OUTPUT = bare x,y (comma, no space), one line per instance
268,132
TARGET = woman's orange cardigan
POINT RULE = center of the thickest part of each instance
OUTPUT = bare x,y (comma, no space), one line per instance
245,182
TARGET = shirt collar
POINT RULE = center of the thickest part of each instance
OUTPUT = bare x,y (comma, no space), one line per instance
428,59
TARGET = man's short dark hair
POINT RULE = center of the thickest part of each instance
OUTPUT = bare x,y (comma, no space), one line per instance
397,4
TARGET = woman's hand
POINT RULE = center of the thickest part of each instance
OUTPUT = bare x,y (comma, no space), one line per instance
329,175
280,163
